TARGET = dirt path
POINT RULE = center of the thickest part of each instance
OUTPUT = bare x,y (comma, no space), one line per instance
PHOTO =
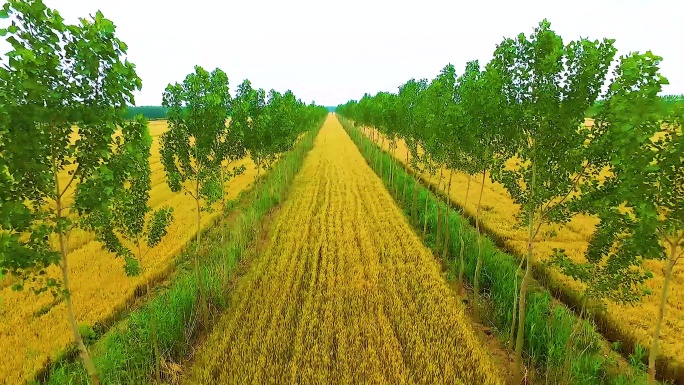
346,292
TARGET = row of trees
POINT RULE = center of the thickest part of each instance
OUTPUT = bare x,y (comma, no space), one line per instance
149,112
200,150
69,160
528,105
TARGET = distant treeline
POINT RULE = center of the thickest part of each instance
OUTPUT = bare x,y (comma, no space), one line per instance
671,102
149,112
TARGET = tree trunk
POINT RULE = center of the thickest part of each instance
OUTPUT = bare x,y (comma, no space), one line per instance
155,339
372,147
64,251
478,266
204,309
425,215
83,351
653,354
406,169
223,190
445,254
463,219
439,214
414,207
382,164
223,227
511,339
394,151
523,300
376,147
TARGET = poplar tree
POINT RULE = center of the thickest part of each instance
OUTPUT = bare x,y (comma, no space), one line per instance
65,88
190,149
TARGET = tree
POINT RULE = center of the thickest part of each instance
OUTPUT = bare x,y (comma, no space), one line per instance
408,100
439,124
191,148
643,193
664,211
66,87
248,117
551,85
127,219
285,117
483,104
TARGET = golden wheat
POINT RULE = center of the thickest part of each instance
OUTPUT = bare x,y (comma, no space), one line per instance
98,282
346,293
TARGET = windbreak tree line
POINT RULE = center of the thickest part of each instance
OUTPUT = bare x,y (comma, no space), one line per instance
71,158
149,112
520,120
200,150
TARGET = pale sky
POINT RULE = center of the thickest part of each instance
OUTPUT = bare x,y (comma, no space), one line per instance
331,52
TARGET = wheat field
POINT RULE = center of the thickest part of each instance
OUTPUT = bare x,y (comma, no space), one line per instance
34,329
346,293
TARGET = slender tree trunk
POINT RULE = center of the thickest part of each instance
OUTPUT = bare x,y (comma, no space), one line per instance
83,351
445,253
372,147
653,354
64,251
460,235
223,192
520,338
382,164
439,214
376,147
200,281
153,333
271,181
425,215
394,152
511,339
223,228
478,267
414,207
406,169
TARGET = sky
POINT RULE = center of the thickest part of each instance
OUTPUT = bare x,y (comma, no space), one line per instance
330,52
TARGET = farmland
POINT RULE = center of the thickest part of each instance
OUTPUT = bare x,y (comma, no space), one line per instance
34,327
498,215
599,203
518,221
345,293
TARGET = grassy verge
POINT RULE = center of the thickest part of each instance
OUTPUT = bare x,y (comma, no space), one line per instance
125,355
548,323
